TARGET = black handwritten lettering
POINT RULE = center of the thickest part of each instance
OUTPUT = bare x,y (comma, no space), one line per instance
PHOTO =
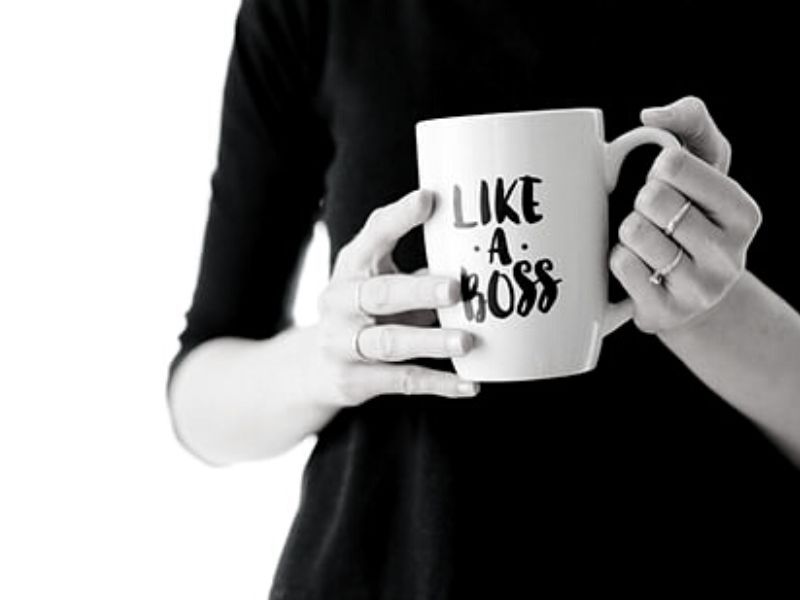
527,299
502,210
469,291
550,285
544,288
486,212
458,210
493,295
505,293
499,246
529,203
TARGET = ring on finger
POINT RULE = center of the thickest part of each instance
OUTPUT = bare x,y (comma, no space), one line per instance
658,276
358,354
669,229
359,307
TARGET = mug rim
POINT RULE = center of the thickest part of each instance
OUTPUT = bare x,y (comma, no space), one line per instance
512,115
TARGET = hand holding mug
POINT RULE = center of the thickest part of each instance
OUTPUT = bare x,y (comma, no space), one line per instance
692,223
371,315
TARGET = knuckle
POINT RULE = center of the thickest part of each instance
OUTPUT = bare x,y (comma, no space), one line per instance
646,199
749,212
632,228
620,258
725,153
758,217
698,129
387,342
752,215
377,293
670,162
409,381
735,189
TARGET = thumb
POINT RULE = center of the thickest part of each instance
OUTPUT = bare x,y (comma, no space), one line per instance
689,118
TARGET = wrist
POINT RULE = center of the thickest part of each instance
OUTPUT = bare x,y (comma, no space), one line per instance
700,323
300,351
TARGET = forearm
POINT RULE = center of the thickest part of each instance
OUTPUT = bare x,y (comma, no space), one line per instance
747,349
235,399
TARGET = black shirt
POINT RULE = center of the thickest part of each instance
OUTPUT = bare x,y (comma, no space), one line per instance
593,476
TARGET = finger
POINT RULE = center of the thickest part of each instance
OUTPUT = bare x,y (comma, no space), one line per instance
660,202
719,196
422,317
400,342
377,379
655,306
634,276
647,241
384,228
388,294
689,118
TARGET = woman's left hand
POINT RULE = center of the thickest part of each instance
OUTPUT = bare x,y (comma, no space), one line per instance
705,253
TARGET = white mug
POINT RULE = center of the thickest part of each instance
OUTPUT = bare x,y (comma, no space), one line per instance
520,218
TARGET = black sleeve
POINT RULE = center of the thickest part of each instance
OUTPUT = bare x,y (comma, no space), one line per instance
267,187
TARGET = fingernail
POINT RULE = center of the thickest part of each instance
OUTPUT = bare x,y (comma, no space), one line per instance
467,340
425,197
460,343
659,112
469,387
445,291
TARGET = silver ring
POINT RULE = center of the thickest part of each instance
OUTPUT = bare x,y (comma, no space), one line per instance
673,222
356,349
658,276
360,309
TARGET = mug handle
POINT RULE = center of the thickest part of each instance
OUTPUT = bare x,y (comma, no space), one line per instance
618,313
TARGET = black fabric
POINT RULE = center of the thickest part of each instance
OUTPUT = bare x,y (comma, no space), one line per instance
587,479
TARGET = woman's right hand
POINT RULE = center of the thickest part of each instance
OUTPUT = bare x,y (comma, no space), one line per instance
369,307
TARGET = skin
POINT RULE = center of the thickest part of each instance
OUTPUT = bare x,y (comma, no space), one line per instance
731,330
235,399
391,311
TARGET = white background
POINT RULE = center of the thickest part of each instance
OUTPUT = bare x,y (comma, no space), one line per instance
109,115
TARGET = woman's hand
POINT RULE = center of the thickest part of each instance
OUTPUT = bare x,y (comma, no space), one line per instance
372,315
705,254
